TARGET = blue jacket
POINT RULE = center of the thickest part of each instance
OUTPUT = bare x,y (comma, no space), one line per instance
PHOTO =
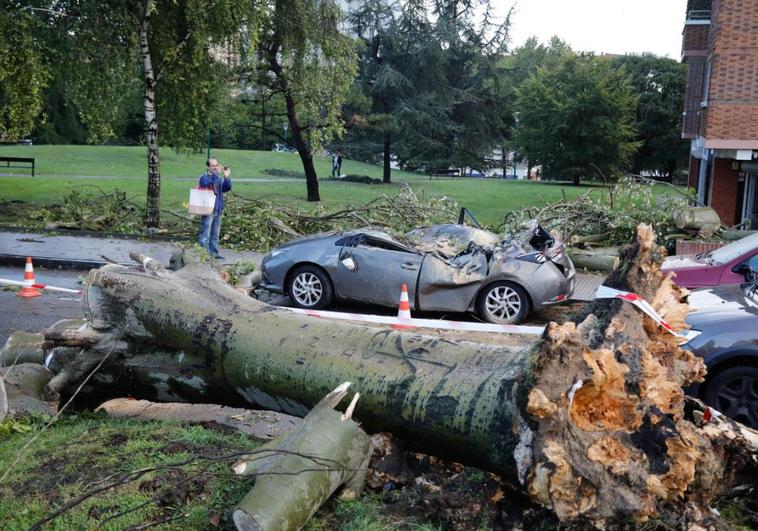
219,186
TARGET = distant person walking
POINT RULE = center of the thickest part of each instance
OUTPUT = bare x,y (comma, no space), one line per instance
336,164
210,225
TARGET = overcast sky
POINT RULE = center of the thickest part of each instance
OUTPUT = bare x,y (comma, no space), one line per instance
601,26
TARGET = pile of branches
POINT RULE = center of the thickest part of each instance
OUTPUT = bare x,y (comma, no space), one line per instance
606,217
89,207
260,224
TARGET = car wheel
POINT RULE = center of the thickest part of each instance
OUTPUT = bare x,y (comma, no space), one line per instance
309,287
503,303
734,392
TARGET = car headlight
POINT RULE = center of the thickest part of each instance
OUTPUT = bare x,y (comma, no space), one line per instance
275,252
690,334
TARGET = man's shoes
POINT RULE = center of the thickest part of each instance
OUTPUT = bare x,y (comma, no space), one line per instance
218,257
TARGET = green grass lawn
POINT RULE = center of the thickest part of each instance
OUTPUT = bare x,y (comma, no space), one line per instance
59,169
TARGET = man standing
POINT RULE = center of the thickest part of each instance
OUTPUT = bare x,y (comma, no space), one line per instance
210,225
339,164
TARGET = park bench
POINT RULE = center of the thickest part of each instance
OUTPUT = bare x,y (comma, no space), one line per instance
17,162
445,172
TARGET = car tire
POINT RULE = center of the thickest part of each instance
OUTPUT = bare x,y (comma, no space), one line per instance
309,287
503,302
734,392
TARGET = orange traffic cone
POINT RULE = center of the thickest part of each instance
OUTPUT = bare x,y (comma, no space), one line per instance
29,281
404,309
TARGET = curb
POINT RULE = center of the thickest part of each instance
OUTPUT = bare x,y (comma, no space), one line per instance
13,260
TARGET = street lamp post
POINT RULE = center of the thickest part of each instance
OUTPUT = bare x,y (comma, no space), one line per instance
284,126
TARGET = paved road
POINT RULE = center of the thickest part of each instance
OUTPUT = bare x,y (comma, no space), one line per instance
34,315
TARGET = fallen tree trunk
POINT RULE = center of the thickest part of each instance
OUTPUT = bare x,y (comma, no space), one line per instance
299,471
258,425
600,259
590,419
705,220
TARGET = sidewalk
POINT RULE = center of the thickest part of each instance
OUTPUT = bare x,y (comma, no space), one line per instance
87,252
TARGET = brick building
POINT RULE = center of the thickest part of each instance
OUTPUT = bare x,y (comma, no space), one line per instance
720,48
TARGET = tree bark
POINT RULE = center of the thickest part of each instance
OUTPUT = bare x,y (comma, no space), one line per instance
602,259
297,473
386,177
590,419
153,205
705,220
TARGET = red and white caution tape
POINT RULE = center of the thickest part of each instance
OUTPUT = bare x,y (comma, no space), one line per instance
38,286
604,292
422,323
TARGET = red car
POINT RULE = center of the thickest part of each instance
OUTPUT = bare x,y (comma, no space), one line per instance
732,264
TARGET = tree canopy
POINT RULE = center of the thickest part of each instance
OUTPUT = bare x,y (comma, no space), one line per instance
660,83
577,118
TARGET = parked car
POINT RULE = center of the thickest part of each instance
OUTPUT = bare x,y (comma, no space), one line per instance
724,333
732,264
452,268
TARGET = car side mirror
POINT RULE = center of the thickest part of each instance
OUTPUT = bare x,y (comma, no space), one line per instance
742,269
349,263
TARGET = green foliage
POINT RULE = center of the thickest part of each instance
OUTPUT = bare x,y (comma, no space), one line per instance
239,269
614,215
660,83
247,223
9,426
431,85
577,119
23,73
94,209
304,54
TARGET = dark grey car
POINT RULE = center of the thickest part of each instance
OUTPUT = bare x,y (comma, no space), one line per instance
724,333
450,268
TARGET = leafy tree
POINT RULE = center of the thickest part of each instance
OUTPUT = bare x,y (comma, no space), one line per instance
304,58
102,50
660,83
23,73
430,78
577,118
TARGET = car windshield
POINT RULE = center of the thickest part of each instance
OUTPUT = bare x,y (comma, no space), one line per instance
734,250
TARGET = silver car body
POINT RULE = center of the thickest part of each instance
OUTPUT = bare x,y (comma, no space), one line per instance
444,266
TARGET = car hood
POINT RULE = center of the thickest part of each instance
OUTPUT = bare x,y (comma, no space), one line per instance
681,262
719,306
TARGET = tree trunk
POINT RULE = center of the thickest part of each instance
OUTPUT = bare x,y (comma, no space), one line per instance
599,259
303,149
311,179
705,220
298,472
387,169
153,205
590,419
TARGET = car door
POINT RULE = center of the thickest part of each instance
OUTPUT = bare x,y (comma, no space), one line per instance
374,272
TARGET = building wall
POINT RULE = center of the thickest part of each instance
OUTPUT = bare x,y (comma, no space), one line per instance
732,111
724,195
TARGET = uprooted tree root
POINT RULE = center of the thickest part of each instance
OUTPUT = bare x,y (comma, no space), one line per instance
611,438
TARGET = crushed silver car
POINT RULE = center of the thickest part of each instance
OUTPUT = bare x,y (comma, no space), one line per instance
450,268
